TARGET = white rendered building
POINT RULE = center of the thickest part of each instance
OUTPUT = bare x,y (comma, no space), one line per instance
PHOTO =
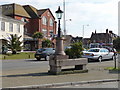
10,26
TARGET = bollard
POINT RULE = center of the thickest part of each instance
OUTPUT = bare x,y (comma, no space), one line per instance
28,56
4,57
115,61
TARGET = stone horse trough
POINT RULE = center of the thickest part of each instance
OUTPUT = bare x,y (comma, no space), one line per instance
56,65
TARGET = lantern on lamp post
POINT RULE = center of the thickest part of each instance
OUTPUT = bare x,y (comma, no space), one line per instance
59,16
59,39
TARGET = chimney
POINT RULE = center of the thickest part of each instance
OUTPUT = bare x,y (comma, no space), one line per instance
110,32
95,31
106,30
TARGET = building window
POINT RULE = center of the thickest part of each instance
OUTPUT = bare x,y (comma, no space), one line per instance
11,27
44,31
51,33
51,22
25,30
18,27
44,20
3,26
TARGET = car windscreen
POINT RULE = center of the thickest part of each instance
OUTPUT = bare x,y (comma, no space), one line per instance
40,50
47,49
93,50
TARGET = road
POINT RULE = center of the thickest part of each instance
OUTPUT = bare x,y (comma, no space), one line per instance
32,72
23,64
19,66
30,64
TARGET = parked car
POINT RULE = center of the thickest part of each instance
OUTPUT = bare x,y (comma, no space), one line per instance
98,54
112,50
44,53
9,51
84,50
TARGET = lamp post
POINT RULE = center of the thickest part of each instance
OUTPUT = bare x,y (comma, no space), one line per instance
84,28
59,39
83,34
65,31
59,16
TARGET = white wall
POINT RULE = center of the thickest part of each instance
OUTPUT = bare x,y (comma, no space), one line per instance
6,34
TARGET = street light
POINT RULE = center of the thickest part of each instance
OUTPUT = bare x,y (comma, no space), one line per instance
65,32
59,16
84,28
59,39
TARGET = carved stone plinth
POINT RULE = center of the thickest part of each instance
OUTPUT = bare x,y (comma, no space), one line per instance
56,65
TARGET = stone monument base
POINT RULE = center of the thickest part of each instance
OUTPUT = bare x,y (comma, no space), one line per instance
57,63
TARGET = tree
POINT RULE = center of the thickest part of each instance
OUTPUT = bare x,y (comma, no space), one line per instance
46,43
14,43
38,35
116,43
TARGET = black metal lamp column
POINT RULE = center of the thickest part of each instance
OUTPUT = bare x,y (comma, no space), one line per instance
59,39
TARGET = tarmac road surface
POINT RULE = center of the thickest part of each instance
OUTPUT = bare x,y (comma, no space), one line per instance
31,72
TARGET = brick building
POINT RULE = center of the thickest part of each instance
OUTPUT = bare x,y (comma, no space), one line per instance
36,20
106,38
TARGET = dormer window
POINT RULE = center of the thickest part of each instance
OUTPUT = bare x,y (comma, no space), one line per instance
24,20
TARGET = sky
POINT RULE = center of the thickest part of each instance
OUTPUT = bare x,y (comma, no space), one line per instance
96,15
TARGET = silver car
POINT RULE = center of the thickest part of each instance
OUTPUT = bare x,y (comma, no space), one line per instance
98,54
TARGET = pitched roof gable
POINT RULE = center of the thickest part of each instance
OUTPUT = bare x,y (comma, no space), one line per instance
14,9
25,10
98,35
19,10
41,11
31,11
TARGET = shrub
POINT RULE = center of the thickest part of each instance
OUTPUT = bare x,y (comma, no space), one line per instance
116,43
75,51
46,43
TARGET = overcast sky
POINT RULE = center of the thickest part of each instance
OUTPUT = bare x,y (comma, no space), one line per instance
99,14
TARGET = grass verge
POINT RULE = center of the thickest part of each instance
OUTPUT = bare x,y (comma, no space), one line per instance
22,55
112,68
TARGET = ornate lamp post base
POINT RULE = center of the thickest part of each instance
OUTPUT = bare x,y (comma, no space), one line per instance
59,46
59,53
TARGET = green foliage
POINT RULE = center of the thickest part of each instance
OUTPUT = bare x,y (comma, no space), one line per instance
38,35
14,43
75,51
68,52
116,43
21,55
112,68
46,43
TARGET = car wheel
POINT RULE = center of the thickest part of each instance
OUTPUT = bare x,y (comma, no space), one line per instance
100,59
38,59
89,59
47,58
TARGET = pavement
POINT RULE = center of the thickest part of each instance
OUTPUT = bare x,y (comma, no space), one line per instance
34,78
